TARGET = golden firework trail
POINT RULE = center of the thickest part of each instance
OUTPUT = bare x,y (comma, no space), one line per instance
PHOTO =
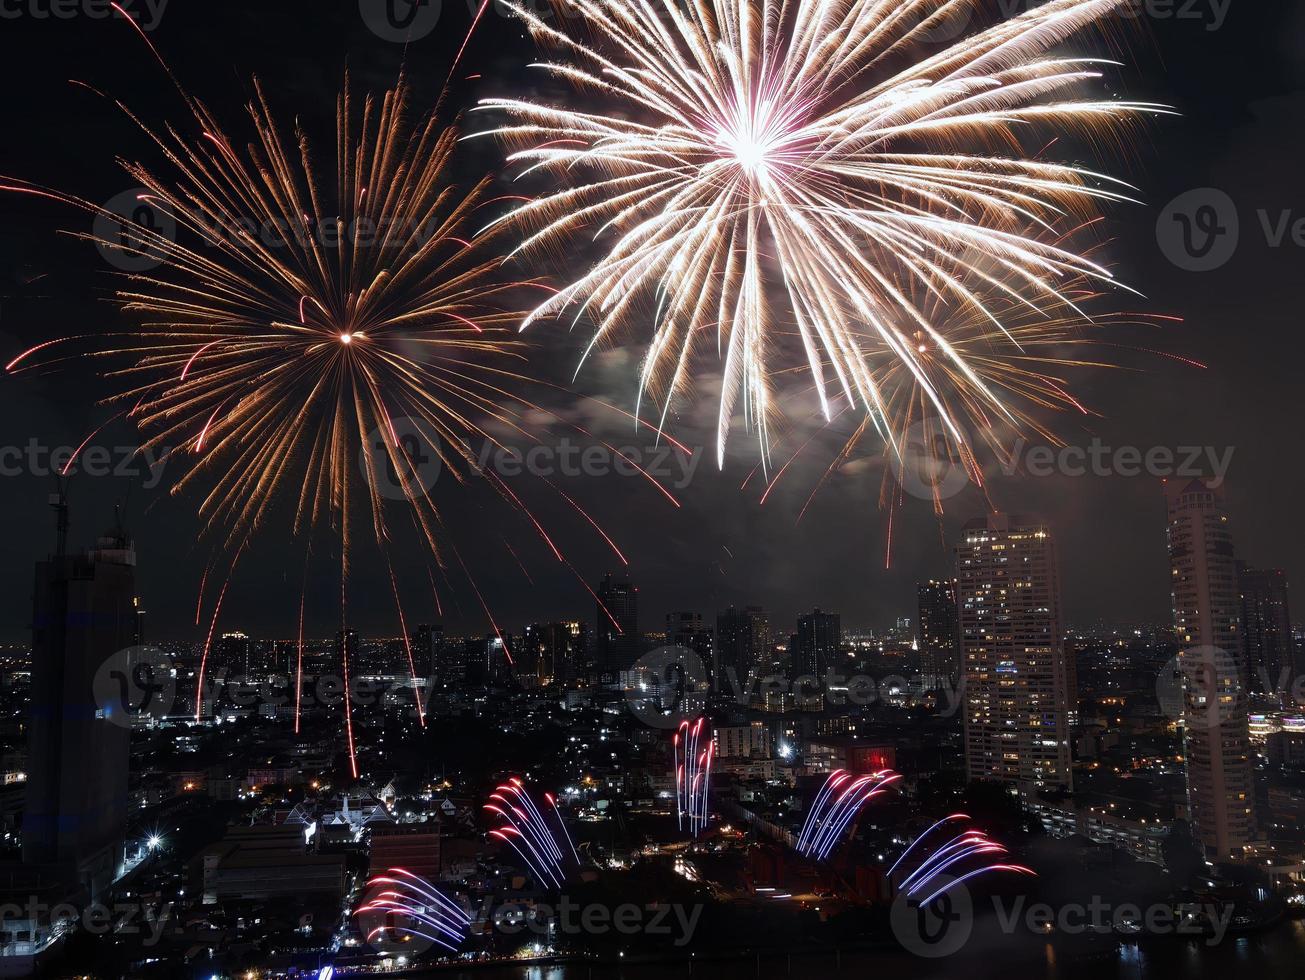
306,305
752,165
1031,361
1026,356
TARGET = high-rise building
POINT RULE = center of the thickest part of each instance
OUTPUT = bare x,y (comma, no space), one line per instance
742,644
1270,649
819,635
1017,698
234,652
937,633
619,643
83,626
688,630
498,666
1207,614
426,644
555,651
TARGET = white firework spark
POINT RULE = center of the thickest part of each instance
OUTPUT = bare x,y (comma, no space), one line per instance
757,169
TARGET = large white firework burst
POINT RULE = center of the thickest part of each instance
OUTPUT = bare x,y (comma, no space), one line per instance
758,169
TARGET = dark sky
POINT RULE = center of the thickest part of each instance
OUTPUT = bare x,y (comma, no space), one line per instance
1240,90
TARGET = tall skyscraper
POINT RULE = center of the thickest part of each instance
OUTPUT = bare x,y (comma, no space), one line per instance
555,651
619,644
688,630
1207,614
234,654
83,625
819,635
426,644
937,633
742,643
1272,661
1017,697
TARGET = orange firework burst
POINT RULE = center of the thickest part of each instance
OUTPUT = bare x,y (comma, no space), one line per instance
293,314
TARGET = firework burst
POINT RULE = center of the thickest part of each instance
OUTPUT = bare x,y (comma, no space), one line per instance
835,806
694,751
759,162
306,319
939,865
400,905
528,832
1020,363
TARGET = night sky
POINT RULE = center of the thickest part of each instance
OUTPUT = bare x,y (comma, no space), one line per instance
1240,90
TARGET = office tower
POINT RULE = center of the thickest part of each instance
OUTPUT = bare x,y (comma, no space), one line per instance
742,644
1017,698
1267,641
233,653
426,643
619,644
498,653
819,635
1207,614
937,633
687,629
83,624
555,651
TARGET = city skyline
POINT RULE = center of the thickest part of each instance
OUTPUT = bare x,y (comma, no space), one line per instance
650,488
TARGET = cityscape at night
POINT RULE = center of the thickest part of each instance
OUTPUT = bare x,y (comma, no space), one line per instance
639,489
